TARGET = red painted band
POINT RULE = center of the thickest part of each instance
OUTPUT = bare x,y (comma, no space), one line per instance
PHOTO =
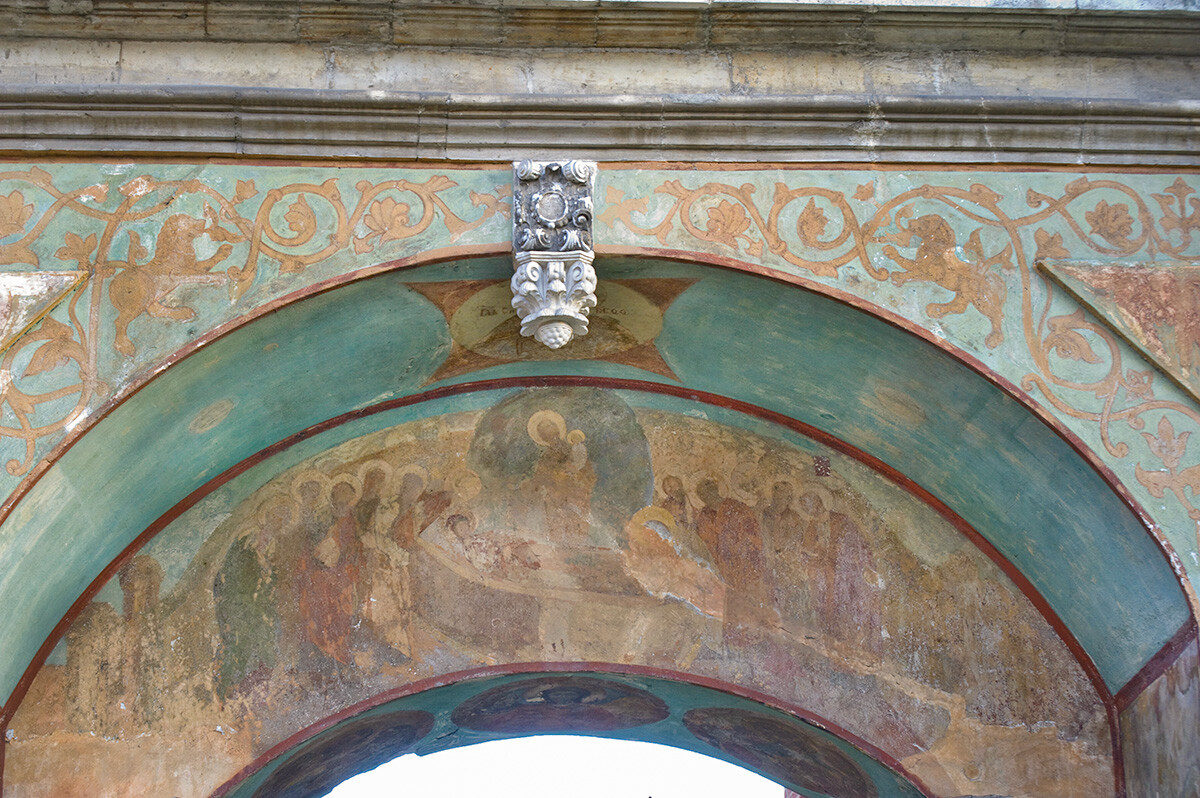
1158,665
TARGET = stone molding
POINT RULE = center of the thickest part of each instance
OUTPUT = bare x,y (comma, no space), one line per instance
1162,27
433,126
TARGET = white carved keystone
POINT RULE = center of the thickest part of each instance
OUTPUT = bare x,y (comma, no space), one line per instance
554,286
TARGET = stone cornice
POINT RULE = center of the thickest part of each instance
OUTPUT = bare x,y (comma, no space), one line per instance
1165,27
396,125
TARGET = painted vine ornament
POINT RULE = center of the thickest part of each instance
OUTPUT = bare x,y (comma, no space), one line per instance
144,259
554,285
824,231
150,240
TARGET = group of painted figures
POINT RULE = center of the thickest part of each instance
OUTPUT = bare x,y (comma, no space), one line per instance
317,577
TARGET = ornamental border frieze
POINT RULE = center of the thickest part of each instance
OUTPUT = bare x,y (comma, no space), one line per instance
198,247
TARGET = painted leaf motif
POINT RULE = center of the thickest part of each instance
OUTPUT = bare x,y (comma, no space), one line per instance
301,219
1179,190
97,193
726,222
1156,482
491,203
1067,342
1190,477
865,192
1166,445
77,249
387,218
137,252
984,195
811,224
14,214
1111,222
1076,187
1049,245
60,348
1036,199
244,191
438,183
21,403
619,208
137,186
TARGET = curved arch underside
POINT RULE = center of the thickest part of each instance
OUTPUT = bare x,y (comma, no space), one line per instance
620,703
728,479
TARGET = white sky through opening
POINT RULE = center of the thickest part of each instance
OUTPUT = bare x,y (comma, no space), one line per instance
557,766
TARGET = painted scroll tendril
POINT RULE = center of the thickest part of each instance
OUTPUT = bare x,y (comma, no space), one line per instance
911,238
142,241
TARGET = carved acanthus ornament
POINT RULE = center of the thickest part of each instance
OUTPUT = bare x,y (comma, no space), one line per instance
554,286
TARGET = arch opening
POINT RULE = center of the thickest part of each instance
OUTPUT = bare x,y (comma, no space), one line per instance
543,766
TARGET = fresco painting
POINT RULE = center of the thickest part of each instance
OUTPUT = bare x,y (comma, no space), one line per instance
787,751
560,704
1155,308
567,525
362,745
173,250
486,331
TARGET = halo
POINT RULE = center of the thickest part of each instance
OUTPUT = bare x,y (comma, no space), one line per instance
576,436
264,508
772,479
535,422
665,470
741,481
306,476
348,479
691,484
465,483
685,542
375,465
657,514
802,490
412,468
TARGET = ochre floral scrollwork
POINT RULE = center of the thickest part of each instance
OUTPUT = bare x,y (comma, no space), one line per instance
986,271
143,242
1170,449
736,221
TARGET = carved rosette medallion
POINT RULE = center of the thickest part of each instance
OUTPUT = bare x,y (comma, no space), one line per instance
554,285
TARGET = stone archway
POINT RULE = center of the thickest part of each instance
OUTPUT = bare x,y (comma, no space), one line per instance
794,514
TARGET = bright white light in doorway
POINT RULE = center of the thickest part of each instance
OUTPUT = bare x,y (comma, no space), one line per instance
557,766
